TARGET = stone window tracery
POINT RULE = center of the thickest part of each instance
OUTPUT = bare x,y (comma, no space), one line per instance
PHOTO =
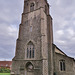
30,50
62,65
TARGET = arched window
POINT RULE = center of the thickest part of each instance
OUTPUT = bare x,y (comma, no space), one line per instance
29,66
32,7
62,65
30,50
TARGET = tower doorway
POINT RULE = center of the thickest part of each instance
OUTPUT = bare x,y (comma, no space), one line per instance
29,69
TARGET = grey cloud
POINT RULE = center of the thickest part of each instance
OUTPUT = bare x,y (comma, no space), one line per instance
11,10
10,16
8,37
63,13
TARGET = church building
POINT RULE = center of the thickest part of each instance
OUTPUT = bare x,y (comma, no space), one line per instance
35,52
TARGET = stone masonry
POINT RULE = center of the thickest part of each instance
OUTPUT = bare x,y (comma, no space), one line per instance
35,52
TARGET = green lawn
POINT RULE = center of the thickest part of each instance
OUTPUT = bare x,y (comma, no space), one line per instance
4,73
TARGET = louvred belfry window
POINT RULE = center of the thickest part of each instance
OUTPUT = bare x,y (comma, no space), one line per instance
32,7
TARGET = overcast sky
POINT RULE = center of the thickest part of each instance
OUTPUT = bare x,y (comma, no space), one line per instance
62,12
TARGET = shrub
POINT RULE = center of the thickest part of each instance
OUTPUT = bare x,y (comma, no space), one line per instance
4,70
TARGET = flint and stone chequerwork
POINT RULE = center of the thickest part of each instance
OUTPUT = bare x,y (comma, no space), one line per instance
35,52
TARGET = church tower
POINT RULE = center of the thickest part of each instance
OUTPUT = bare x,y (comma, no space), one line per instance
34,55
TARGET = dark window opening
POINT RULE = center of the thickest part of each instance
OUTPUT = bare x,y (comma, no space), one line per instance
32,7
62,65
27,52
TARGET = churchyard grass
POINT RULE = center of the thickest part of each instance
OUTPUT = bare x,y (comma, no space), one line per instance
4,73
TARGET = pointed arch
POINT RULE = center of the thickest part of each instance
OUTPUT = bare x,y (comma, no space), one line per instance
30,50
30,43
32,6
29,66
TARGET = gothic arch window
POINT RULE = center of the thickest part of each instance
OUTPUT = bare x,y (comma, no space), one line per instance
31,6
62,65
30,50
29,66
